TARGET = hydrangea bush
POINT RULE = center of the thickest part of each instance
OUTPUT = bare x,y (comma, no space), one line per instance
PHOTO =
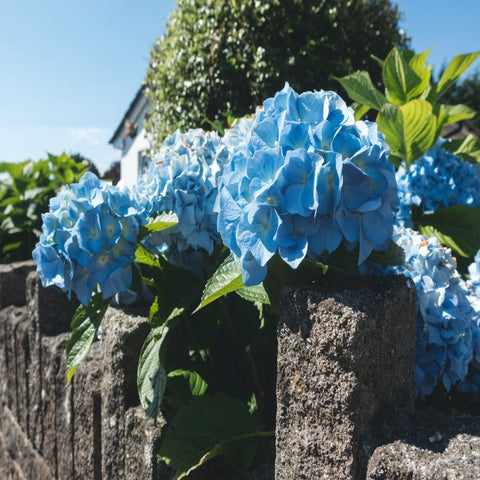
300,183
306,178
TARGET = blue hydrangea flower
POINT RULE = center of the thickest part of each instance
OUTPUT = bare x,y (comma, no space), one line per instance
444,343
439,179
182,178
306,178
89,238
472,382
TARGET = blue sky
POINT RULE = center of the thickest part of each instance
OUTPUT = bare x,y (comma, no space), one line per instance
70,69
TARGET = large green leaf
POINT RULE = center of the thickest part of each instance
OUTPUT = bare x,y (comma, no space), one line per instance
401,81
144,256
256,293
186,383
151,375
452,113
424,71
456,227
360,89
208,427
85,325
468,148
456,67
226,279
409,129
394,255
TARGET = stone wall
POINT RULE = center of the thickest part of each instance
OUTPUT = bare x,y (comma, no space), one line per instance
344,392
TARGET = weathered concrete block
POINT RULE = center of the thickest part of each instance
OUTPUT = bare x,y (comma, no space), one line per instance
12,282
123,335
56,407
22,360
87,420
345,361
23,458
50,313
428,445
142,442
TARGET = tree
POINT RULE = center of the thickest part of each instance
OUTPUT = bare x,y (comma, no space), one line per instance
221,57
113,173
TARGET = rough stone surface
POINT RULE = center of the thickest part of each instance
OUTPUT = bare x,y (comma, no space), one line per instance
50,313
123,334
345,362
12,282
22,459
427,445
142,441
87,417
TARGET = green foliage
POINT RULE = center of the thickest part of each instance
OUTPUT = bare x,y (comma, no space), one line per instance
468,93
456,227
468,148
221,58
227,429
25,190
85,324
409,113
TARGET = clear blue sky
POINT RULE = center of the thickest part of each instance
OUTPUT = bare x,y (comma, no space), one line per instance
68,70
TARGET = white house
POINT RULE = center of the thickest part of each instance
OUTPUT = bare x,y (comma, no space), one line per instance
131,138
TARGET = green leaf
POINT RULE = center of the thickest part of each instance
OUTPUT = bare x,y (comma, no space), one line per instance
206,428
455,227
226,279
257,293
151,375
456,67
161,222
394,255
468,148
409,129
424,71
401,81
452,113
359,110
85,325
360,89
142,255
186,383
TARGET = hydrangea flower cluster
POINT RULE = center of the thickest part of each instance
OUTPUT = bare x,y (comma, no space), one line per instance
439,179
306,178
445,342
89,237
472,382
182,178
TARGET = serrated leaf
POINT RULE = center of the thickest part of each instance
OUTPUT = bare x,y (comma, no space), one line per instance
151,376
400,79
206,428
410,129
161,222
468,148
424,71
256,293
455,68
456,227
195,384
360,89
452,113
226,279
84,325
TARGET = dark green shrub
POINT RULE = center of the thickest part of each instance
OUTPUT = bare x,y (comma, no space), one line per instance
224,56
